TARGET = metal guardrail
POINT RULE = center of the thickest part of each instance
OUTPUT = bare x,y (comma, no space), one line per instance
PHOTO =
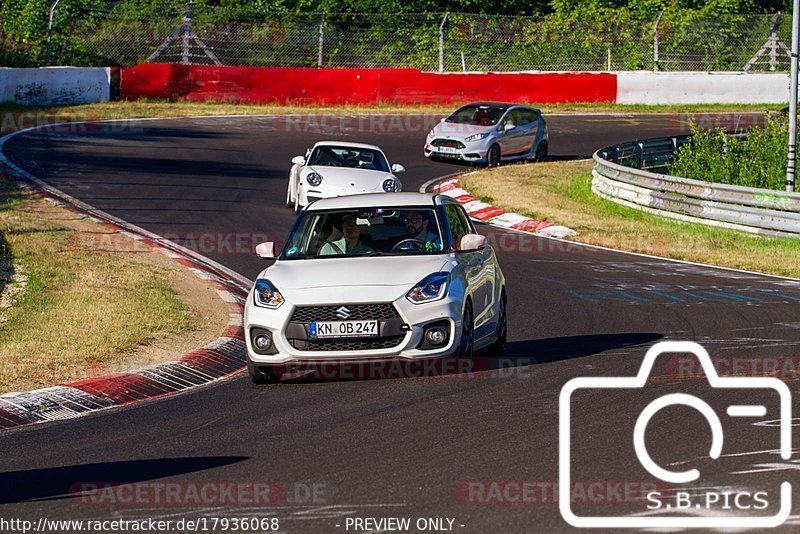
633,174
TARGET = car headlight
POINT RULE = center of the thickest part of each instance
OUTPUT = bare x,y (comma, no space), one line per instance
432,287
390,185
267,295
430,134
476,137
314,179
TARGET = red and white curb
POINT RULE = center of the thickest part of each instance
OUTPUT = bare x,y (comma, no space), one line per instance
498,216
219,359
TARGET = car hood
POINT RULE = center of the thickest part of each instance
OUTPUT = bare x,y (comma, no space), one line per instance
351,279
459,131
347,177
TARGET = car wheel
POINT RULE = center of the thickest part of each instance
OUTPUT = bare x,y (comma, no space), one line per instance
496,348
541,152
493,156
466,345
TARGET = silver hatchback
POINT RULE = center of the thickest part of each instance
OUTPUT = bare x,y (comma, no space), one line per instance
488,133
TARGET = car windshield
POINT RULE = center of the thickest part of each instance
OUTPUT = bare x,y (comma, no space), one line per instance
364,232
477,115
348,156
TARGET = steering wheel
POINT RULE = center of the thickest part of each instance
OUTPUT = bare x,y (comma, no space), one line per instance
418,244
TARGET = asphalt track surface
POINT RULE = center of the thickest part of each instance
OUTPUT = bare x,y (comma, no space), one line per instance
429,446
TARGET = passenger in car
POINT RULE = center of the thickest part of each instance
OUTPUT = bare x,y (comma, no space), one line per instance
350,243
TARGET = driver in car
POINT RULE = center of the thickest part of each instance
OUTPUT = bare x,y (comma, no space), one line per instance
350,243
417,228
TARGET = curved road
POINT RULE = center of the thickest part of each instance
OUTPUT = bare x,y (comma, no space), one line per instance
434,446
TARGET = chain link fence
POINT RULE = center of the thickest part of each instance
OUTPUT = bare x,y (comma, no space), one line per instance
450,42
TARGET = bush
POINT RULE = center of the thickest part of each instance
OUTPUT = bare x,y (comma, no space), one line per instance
759,160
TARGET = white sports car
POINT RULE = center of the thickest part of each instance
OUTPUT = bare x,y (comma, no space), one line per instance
375,277
335,168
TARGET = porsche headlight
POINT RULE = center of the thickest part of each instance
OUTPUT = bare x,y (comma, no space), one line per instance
430,134
476,137
390,185
432,287
314,179
267,295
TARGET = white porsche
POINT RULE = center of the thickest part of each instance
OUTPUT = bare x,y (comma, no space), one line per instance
375,277
335,168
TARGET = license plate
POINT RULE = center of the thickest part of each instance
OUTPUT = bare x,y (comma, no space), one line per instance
446,149
330,329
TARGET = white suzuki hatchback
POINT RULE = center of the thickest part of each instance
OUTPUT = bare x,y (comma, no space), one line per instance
373,277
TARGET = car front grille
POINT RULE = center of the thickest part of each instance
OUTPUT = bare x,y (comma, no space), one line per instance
450,143
358,312
341,345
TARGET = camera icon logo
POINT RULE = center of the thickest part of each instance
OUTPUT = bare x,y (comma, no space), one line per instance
675,477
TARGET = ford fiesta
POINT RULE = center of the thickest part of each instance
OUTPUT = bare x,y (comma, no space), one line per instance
375,276
489,133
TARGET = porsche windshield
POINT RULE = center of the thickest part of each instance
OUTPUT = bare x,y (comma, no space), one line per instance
364,232
477,115
350,157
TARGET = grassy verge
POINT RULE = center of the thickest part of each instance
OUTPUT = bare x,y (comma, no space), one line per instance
144,108
560,192
84,306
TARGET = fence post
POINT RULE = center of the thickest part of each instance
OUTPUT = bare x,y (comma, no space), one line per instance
655,42
50,32
185,33
791,156
441,42
321,40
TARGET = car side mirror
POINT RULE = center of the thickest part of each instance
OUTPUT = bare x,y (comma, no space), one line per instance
472,242
266,250
299,160
508,126
397,168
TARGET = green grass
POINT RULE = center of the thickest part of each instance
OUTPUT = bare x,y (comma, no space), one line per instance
560,192
155,108
81,308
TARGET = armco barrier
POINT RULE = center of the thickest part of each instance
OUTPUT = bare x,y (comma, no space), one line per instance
55,85
358,86
630,174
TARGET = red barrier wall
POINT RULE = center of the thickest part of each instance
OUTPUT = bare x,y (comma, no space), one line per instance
358,86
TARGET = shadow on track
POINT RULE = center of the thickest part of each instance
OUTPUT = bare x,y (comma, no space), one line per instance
554,349
54,483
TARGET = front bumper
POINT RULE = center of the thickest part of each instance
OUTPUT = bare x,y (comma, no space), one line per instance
309,194
472,152
408,330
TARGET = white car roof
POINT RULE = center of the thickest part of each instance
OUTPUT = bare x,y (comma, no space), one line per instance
346,143
374,200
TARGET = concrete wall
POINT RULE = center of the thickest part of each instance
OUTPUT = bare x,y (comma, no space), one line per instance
701,88
359,86
55,85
